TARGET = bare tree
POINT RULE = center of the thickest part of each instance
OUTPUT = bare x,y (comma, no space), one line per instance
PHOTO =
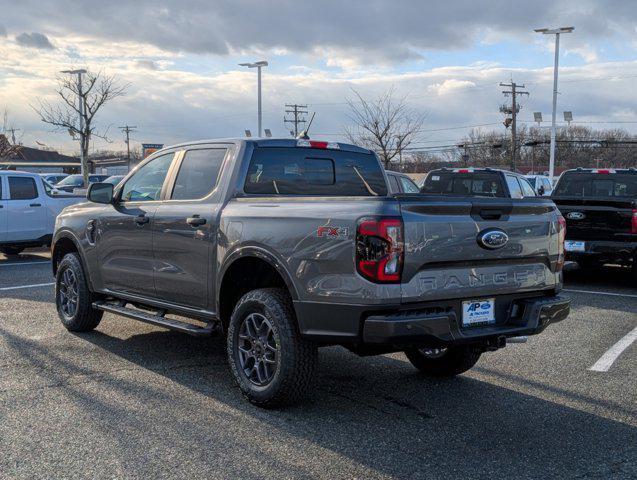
96,91
386,125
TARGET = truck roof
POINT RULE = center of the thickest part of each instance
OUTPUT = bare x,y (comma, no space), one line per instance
279,142
474,169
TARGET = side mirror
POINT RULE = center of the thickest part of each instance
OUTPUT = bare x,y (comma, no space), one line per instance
540,190
100,192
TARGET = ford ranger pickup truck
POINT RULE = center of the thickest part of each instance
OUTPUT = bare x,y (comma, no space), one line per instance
286,245
600,208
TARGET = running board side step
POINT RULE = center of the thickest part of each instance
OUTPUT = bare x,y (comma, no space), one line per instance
158,319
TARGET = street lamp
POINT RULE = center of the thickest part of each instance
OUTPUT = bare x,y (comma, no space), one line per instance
258,66
556,32
79,92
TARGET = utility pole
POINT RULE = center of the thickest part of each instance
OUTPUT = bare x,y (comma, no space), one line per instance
513,111
128,129
296,111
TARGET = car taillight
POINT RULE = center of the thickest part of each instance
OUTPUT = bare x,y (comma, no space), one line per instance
633,222
561,236
380,249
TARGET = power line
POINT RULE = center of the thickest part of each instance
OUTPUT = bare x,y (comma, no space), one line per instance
297,111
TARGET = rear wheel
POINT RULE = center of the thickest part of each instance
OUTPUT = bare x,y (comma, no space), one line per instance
9,251
444,362
270,361
73,299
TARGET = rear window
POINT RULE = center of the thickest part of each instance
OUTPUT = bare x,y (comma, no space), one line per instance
303,171
596,185
483,184
22,188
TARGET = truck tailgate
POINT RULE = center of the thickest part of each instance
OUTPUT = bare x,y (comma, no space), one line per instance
444,258
595,218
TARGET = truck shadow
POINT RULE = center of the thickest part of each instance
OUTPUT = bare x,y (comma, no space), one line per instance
377,412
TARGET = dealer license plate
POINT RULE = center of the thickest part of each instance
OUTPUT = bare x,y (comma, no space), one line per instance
478,312
572,246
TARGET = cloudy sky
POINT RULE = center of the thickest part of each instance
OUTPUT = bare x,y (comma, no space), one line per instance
180,58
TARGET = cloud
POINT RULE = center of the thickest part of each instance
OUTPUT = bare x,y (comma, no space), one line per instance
34,40
3,31
147,64
344,33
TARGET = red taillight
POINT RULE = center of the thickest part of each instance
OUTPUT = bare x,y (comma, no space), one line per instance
604,171
633,222
380,249
561,236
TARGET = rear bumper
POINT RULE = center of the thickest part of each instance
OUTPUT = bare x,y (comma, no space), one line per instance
528,317
601,251
428,324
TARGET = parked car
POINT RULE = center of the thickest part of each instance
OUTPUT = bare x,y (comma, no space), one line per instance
600,208
70,183
53,178
27,211
285,245
401,183
479,182
114,179
541,184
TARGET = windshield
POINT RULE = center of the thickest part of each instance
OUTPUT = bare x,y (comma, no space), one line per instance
72,181
596,185
482,184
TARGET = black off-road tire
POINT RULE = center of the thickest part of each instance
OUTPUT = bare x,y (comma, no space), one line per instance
296,357
456,360
85,318
11,251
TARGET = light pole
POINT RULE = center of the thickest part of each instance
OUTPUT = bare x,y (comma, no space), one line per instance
556,32
81,109
258,66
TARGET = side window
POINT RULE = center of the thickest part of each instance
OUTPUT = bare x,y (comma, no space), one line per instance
393,184
514,186
408,185
198,173
527,190
145,185
22,188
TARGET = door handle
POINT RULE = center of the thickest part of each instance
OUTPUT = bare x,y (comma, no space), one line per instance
35,205
196,221
141,219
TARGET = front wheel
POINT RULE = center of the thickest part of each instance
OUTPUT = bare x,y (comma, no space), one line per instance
273,365
444,362
73,299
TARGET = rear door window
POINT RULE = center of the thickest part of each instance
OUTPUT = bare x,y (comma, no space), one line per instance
393,184
514,186
22,188
408,185
527,190
198,173
302,171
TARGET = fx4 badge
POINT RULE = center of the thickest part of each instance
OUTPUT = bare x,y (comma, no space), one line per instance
331,232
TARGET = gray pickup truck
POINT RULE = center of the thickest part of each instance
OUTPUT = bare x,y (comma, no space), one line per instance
287,245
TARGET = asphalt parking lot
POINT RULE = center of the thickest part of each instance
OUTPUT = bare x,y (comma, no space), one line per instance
133,401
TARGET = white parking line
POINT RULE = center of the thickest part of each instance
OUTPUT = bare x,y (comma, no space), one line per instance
18,287
23,263
629,295
607,360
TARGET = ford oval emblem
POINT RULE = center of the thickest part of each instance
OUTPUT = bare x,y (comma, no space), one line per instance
575,216
492,239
